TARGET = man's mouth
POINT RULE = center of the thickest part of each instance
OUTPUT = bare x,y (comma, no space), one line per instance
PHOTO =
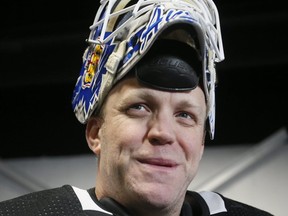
158,162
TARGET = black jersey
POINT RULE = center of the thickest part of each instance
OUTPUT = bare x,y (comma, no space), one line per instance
69,200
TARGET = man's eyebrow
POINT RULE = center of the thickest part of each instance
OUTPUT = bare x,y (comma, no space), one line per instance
186,104
133,94
191,105
140,93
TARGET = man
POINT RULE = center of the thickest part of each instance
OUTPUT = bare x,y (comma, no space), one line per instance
146,93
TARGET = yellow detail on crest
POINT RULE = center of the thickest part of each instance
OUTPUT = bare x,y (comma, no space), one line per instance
93,63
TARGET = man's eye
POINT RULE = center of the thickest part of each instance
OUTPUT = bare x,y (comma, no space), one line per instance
184,115
186,118
137,107
137,110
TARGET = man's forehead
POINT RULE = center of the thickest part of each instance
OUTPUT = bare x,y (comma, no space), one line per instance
129,88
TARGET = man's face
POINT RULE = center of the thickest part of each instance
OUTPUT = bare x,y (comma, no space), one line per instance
149,144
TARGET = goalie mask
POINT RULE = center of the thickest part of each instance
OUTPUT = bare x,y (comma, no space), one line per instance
124,31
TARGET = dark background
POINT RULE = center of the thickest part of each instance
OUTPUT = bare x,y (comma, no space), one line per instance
41,47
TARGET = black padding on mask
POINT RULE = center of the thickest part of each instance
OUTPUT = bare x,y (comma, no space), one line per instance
172,68
167,73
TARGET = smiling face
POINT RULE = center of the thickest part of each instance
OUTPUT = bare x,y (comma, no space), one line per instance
149,144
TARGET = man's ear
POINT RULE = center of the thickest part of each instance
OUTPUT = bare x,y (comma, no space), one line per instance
92,135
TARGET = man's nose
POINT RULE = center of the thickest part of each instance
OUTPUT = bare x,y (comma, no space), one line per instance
161,130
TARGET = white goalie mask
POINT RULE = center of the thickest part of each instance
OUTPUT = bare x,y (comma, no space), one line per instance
124,30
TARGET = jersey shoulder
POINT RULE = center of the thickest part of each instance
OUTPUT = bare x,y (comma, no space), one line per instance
213,203
64,200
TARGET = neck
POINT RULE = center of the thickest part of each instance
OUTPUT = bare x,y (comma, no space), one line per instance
143,209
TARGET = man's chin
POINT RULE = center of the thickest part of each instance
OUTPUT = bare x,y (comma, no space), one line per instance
157,195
